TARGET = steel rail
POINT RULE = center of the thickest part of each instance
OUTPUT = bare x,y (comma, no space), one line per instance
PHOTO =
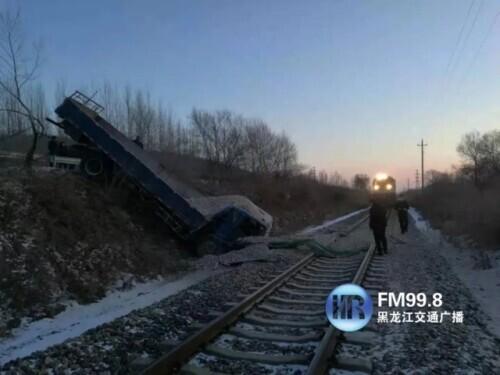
172,361
319,363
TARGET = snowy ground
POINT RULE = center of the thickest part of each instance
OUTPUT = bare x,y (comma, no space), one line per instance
478,269
76,319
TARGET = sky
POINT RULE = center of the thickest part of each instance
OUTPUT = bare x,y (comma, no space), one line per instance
355,83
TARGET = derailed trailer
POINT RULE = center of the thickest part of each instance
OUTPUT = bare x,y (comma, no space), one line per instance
212,223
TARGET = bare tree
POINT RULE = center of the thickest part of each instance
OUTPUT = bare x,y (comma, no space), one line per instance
336,179
323,177
491,153
361,181
470,149
432,177
18,68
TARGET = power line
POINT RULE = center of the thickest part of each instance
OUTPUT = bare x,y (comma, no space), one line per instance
467,36
478,51
452,56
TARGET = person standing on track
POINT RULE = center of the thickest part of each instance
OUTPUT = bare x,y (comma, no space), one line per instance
378,224
402,209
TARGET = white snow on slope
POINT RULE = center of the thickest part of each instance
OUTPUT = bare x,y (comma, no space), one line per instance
312,230
77,319
484,284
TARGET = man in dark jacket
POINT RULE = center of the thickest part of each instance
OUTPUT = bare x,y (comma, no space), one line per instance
378,223
402,207
53,147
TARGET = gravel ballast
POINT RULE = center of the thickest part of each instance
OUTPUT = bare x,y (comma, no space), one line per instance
111,348
415,265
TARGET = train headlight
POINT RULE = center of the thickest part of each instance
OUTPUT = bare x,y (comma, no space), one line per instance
376,187
381,176
388,187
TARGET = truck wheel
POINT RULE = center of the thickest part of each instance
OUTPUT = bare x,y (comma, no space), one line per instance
93,166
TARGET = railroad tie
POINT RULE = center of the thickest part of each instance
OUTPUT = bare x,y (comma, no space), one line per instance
266,336
272,359
254,319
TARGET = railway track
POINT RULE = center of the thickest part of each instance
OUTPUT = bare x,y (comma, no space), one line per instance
281,327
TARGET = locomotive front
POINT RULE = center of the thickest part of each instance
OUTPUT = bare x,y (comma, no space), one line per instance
384,189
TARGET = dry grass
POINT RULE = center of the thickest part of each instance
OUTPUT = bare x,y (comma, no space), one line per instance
459,208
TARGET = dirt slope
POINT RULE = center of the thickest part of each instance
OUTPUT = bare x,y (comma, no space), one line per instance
64,237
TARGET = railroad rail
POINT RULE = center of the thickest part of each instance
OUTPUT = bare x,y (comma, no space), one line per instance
288,310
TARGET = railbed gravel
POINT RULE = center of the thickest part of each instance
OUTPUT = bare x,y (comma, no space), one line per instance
110,348
228,366
446,348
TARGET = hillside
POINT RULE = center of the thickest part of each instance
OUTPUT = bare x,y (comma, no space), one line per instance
63,237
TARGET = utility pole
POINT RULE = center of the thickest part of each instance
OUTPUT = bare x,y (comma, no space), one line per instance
422,145
408,188
417,179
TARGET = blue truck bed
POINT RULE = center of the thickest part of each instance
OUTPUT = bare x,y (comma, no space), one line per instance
82,122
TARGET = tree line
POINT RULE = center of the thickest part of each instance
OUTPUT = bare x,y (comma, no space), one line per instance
220,136
480,161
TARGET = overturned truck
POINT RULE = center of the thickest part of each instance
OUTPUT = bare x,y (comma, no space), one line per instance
213,224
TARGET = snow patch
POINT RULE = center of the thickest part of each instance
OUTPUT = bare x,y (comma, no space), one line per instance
77,319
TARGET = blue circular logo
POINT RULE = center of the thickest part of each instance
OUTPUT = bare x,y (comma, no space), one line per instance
349,307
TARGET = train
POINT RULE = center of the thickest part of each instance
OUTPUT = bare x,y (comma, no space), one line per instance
383,189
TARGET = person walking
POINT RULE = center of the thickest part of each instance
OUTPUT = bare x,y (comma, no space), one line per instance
402,207
378,224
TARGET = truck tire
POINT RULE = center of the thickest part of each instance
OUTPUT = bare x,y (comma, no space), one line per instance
93,166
